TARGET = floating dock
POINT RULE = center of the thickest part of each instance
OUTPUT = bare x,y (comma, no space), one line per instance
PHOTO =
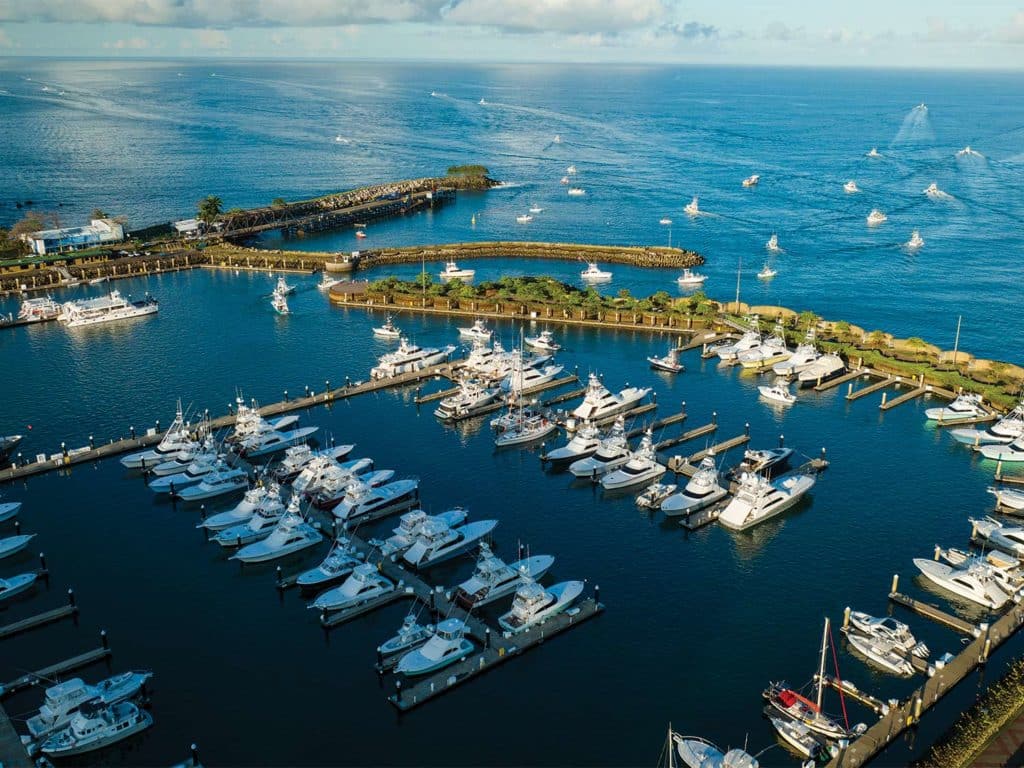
935,614
55,670
12,752
39,620
687,465
848,376
692,434
887,381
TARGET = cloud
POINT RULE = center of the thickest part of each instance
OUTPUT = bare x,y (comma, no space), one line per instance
131,44
690,30
940,31
779,31
5,40
580,17
212,39
1013,32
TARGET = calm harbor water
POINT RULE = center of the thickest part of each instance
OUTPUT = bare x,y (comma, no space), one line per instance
696,624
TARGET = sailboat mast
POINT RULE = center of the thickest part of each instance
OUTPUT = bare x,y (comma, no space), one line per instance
821,666
739,269
671,762
956,342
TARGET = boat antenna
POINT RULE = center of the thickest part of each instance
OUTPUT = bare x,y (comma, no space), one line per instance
821,665
739,269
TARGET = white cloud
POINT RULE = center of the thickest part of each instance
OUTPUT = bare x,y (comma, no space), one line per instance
941,31
1013,32
132,44
212,39
5,40
782,32
581,17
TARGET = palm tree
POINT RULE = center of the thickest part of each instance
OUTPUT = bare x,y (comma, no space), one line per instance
210,208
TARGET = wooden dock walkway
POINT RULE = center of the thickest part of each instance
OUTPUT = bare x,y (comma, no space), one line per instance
39,620
886,404
849,689
654,426
55,670
856,394
935,614
564,397
849,376
12,752
687,465
706,516
692,434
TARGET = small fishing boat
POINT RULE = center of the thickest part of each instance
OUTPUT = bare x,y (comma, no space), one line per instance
874,152
777,393
544,340
690,279
363,584
933,192
477,331
571,170
452,271
96,726
642,467
283,288
524,218
577,192
886,628
1008,538
751,181
280,304
533,604
410,635
15,585
881,653
612,452
62,701
291,534
437,541
966,405
1008,498
972,581
968,152
259,498
594,274
259,525
387,331
536,209
341,560
564,180
655,494
767,272
915,242
665,221
14,544
876,217
704,489
758,499
327,282
446,646
493,578
692,208
851,187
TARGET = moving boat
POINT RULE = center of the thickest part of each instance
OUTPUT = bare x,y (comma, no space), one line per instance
968,152
612,452
387,331
283,288
291,534
934,193
850,187
876,217
825,368
259,525
700,753
690,279
16,585
327,282
105,309
670,362
452,272
703,490
533,604
411,525
1011,453
759,499
751,181
1009,538
1006,430
874,152
14,544
96,726
594,274
773,243
524,218
408,357
38,309
297,458
967,405
886,628
777,393
363,584
571,170
176,438
410,635
655,494
280,304
446,646
576,191
692,208
584,442
217,483
915,241
477,331
642,467
259,498
665,221
437,541
767,273
493,578
972,581
342,558
599,403
536,209
881,653
544,340
471,398
62,701
363,499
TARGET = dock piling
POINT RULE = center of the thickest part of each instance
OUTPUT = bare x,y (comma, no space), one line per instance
194,755
782,441
71,597
103,640
895,583
884,397
746,429
597,593
846,617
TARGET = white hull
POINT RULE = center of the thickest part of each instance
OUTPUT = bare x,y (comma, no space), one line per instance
124,314
201,492
739,515
14,544
682,504
565,595
619,479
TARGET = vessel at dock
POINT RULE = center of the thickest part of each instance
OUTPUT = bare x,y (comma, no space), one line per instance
38,310
759,499
408,357
105,309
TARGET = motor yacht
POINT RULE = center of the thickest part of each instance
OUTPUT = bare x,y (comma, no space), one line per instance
526,429
291,534
880,653
594,274
471,398
411,525
571,170
259,525
966,405
655,494
62,701
669,362
105,309
536,209
219,482
194,472
1008,538
886,628
968,152
773,244
323,473
690,279
584,442
525,377
1007,571
363,500
704,489
612,452
268,443
599,403
1006,430
825,368
477,332
973,582
452,271
545,340
282,287
437,541
250,424
665,221
363,584
850,187
803,357
700,753
748,340
279,304
446,646
15,585
771,351
933,192
410,635
262,497
642,467
338,485
759,499
777,393
95,726
751,181
767,272
876,217
801,739
341,560
183,459
176,438
692,208
534,604
493,578
490,363
388,331
327,282
1010,453
297,458
1008,498
408,357
915,242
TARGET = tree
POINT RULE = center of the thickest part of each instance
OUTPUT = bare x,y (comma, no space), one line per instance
278,202
33,222
210,208
99,213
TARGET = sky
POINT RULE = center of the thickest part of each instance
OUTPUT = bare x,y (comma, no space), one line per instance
879,33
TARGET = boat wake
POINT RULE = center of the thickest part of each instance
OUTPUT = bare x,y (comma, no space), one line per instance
916,128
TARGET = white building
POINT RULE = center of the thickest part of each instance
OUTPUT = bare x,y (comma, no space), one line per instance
188,227
98,232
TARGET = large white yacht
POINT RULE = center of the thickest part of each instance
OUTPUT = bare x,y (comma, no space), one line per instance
494,578
749,340
447,646
594,274
759,499
1011,453
471,398
1006,430
525,377
533,604
37,309
105,309
642,467
974,582
803,357
611,453
585,441
255,499
363,584
362,500
437,541
176,438
408,357
95,726
411,525
291,534
966,405
600,403
341,560
703,490
771,351
258,526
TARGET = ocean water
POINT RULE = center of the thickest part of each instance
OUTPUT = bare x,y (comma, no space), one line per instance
697,624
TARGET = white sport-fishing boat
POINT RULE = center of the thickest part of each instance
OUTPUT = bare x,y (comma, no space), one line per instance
585,441
576,191
748,340
261,497
181,461
642,467
249,422
362,499
488,362
825,368
259,525
291,534
1006,430
765,461
968,152
1004,569
777,393
387,331
767,272
886,628
323,471
15,585
692,208
881,653
339,484
327,282
665,221
874,152
9,509
1008,538
915,241
696,752
477,332
410,526
1011,453
669,362
446,646
279,304
62,701
105,309
96,726
363,584
297,458
283,288
410,635
655,494
408,357
803,357
341,560
38,309
452,271
533,604
526,428
771,351
571,170
851,187
773,243
751,181
536,209
175,439
220,482
494,578
599,403
524,218
934,193
759,499
690,279
974,582
1008,498
704,489
272,442
966,405
876,217
471,398
194,472
437,541
799,738
612,452
544,340
525,377
594,274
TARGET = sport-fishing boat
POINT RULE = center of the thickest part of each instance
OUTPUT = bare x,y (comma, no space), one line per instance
576,191
410,635
411,525
850,187
297,458
670,362
751,181
526,428
477,331
642,467
283,288
291,534
8,443
105,309
175,439
525,377
692,208
446,646
966,405
471,398
9,509
594,274
655,494
362,499
773,243
564,180
14,544
759,499
748,340
874,152
612,452
451,271
825,368
803,357
274,441
800,738
1008,538
536,209
524,218
184,458
494,578
533,604
915,241
62,701
219,482
968,152
544,340
363,584
665,221
886,628
881,653
15,585
408,357
323,471
279,304
767,272
96,726
437,541
876,217
1006,430
777,393
194,473
585,441
339,484
1008,498
934,193
1010,454
342,558
690,279
267,498
327,282
765,461
703,490
696,752
491,363
571,170
249,422
387,331
973,581
599,403
771,351
38,309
